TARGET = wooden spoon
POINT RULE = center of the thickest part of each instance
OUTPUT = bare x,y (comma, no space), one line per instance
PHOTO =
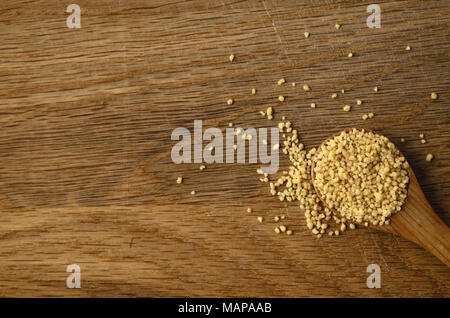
416,221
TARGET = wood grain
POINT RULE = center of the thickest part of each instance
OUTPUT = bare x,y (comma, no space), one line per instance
86,117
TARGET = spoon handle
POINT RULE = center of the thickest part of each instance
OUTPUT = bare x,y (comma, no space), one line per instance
418,222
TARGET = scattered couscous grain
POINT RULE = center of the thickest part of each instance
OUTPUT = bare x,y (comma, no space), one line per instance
375,89
334,95
408,48
371,115
429,157
337,26
359,102
202,167
230,101
402,139
289,232
231,57
276,218
350,54
293,84
347,108
281,81
192,192
249,210
423,141
298,186
306,34
260,219
253,91
364,117
269,112
282,228
306,88
179,180
277,230
313,105
281,98
434,95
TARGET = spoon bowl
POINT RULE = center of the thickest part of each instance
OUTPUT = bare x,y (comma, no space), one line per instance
416,221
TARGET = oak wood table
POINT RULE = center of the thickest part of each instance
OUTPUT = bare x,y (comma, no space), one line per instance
86,175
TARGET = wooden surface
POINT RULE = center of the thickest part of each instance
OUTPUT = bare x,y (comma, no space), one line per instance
86,117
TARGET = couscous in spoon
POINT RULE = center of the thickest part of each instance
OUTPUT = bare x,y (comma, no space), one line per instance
416,221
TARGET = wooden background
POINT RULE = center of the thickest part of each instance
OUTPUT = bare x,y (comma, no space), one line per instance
86,116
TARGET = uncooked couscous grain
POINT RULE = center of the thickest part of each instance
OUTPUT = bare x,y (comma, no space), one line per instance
269,113
362,175
281,81
179,180
296,185
429,157
434,96
230,101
